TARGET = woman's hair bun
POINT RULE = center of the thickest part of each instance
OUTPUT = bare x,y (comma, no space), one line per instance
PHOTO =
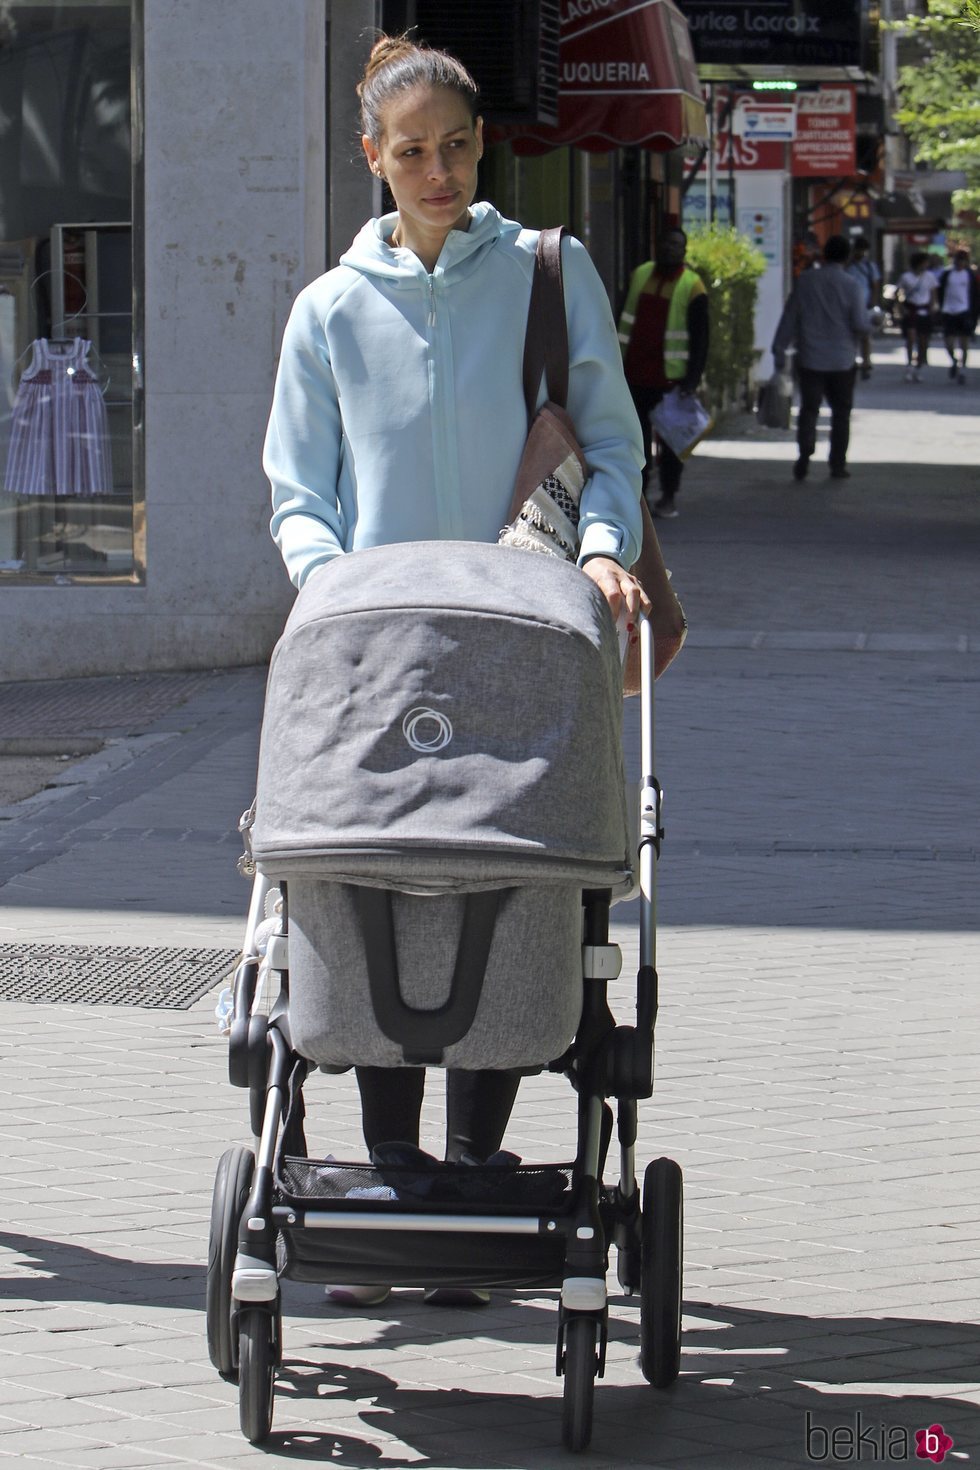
385,50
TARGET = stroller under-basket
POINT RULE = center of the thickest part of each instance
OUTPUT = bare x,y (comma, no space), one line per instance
441,819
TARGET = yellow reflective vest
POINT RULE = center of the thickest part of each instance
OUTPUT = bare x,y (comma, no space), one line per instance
679,293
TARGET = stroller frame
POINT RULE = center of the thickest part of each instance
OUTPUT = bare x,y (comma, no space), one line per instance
563,1245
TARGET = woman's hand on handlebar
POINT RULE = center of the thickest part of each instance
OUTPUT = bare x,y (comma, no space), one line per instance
620,588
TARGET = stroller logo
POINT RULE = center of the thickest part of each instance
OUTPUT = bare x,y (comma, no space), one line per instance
426,730
842,1443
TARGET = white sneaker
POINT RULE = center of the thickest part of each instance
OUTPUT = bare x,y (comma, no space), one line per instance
456,1296
357,1296
910,375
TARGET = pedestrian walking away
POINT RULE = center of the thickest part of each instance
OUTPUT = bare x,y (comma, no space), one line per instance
663,330
824,319
399,415
959,303
918,291
866,273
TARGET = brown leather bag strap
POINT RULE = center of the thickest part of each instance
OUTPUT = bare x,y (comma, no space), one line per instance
546,338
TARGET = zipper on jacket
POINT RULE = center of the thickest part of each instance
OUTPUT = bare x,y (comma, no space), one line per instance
432,301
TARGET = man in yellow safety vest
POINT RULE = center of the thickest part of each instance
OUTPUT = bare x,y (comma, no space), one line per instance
663,330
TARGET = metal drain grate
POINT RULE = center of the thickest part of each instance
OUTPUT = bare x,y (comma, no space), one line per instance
101,975
128,702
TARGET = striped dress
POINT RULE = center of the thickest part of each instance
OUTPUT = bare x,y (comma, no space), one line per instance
59,438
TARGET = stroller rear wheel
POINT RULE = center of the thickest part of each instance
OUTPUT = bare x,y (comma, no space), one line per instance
580,1365
232,1183
662,1272
258,1353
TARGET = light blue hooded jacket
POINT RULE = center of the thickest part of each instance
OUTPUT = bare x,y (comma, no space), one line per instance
399,413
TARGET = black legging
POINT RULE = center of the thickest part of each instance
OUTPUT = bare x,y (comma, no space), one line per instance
478,1106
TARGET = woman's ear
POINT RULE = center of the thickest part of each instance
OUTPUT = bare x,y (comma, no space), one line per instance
371,154
478,130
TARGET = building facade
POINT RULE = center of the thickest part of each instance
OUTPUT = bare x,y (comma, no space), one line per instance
162,198
172,172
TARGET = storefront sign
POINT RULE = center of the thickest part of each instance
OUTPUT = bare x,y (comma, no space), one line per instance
626,76
792,34
824,143
738,153
764,228
774,122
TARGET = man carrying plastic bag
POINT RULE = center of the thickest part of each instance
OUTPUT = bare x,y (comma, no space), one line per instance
663,331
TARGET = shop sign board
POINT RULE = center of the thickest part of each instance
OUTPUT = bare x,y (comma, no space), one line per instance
791,34
771,122
746,155
741,153
763,226
627,77
824,143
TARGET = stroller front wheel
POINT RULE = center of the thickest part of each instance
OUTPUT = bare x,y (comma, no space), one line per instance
232,1183
580,1365
257,1354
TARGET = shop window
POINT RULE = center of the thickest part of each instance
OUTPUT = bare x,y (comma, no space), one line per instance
67,465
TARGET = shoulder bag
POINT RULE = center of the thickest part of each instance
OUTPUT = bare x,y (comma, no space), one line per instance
544,510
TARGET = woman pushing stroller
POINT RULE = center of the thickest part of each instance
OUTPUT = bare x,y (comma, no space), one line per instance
399,416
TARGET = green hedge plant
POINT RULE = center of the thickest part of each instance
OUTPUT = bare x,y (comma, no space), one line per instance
730,266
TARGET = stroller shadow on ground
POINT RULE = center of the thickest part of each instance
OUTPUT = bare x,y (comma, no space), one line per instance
755,1388
753,1383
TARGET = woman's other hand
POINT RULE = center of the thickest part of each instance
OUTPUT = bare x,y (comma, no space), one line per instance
619,587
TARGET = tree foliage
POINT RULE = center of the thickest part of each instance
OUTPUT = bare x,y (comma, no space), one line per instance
730,266
940,93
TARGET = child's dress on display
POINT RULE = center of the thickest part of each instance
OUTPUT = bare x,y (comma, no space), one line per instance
59,439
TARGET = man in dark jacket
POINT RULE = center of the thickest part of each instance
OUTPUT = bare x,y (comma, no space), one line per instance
825,318
663,330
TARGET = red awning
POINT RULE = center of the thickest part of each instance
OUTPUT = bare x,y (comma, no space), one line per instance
627,76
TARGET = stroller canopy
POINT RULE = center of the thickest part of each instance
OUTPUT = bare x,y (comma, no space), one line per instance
444,715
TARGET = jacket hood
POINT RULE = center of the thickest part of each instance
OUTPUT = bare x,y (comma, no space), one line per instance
371,254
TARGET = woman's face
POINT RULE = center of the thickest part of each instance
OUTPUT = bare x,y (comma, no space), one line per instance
428,153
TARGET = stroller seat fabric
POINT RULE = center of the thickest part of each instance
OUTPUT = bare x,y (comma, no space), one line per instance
530,999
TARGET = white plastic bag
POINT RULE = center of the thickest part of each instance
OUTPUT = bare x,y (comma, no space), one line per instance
681,421
776,401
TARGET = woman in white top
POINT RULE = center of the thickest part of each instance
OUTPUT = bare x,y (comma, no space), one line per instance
918,290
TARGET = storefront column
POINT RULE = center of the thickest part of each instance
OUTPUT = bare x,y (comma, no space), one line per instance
235,227
355,195
234,182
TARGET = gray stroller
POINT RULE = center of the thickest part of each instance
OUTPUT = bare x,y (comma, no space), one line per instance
441,827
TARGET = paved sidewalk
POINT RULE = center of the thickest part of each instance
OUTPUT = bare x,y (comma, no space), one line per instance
817,1043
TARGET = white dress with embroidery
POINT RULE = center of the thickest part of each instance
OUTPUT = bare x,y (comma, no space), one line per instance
59,439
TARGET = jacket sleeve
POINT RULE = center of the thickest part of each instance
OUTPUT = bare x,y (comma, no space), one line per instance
303,447
602,411
697,336
786,331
